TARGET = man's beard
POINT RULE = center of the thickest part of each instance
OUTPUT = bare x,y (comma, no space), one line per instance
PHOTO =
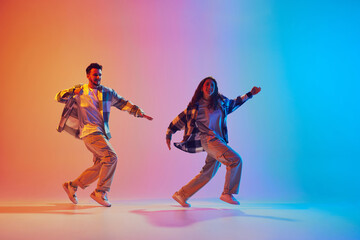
96,83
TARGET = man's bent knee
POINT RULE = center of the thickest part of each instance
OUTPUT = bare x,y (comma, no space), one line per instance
113,158
110,158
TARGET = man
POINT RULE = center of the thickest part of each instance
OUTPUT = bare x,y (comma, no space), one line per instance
86,116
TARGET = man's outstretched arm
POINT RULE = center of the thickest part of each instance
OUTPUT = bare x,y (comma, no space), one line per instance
125,105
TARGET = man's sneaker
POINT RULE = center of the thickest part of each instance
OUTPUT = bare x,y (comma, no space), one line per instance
71,192
180,199
229,199
101,198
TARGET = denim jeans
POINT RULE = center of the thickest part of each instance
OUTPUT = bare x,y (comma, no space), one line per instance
105,160
217,152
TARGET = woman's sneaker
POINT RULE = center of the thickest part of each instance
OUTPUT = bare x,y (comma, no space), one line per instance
229,198
101,198
180,199
71,192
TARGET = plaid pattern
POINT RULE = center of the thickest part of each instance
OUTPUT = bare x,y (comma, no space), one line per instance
191,142
108,97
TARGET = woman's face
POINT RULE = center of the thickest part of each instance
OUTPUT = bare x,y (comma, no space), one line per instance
208,88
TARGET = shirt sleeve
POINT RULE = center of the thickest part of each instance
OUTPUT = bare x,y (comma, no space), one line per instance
177,124
240,100
125,105
64,95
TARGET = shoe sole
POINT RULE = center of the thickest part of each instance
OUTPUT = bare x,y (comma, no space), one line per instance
99,202
178,200
72,199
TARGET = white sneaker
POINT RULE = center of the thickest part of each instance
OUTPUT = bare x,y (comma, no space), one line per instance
101,198
229,198
71,192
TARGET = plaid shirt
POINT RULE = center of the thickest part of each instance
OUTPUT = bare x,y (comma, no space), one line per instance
191,142
107,97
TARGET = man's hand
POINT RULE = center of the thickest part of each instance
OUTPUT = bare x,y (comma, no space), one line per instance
255,90
147,117
143,115
168,143
140,113
77,90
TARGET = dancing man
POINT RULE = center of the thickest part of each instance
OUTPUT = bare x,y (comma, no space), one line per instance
86,116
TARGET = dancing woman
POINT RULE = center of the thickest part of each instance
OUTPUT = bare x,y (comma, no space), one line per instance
204,121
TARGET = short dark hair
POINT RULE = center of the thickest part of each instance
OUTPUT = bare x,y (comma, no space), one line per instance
93,65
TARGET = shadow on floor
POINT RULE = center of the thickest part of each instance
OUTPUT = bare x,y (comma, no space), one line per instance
187,217
56,208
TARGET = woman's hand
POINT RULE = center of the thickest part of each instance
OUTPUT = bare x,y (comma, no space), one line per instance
168,142
255,90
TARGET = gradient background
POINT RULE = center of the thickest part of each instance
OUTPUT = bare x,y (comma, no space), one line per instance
299,138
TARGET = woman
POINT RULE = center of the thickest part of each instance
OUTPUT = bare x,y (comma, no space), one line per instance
204,120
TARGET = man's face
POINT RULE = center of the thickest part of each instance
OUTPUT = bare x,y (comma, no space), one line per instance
94,76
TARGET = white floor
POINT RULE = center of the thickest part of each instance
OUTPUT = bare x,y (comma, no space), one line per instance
163,219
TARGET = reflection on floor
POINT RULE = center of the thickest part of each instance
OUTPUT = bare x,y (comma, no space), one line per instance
163,219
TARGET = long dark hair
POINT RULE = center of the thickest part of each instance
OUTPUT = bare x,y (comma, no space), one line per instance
213,103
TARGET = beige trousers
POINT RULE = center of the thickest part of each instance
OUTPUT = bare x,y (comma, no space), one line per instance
217,152
104,159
